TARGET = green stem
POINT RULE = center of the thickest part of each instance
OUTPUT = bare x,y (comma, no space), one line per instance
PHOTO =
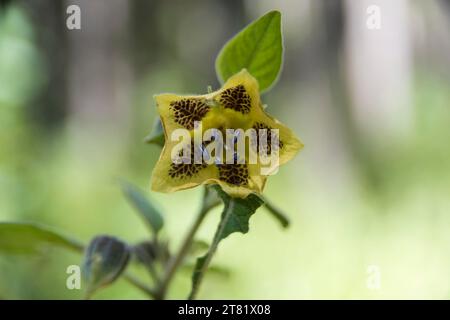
212,250
177,259
140,285
276,212
150,266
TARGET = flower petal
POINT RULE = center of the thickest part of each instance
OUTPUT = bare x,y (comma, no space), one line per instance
236,105
181,111
240,93
289,144
168,176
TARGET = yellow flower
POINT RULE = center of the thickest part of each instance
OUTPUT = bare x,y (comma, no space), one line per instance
236,105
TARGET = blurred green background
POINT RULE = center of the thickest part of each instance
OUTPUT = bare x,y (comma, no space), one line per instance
371,188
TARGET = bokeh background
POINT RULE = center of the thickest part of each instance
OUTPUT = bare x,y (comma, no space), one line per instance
370,190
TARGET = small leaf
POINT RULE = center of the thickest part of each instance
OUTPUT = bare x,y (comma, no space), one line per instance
235,218
150,254
157,134
105,259
240,212
147,252
28,238
257,48
141,203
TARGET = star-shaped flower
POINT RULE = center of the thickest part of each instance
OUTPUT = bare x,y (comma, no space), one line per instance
236,106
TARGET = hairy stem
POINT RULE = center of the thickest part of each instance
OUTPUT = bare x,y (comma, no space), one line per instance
212,250
177,259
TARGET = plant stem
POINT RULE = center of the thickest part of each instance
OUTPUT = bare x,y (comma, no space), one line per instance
149,265
276,212
212,250
176,260
140,285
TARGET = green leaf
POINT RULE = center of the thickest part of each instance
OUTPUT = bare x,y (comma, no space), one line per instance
29,238
141,203
104,261
157,135
258,48
237,212
235,218
149,252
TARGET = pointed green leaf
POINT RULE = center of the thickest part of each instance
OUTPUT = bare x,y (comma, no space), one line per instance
237,212
28,238
104,261
147,252
235,218
143,205
258,48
